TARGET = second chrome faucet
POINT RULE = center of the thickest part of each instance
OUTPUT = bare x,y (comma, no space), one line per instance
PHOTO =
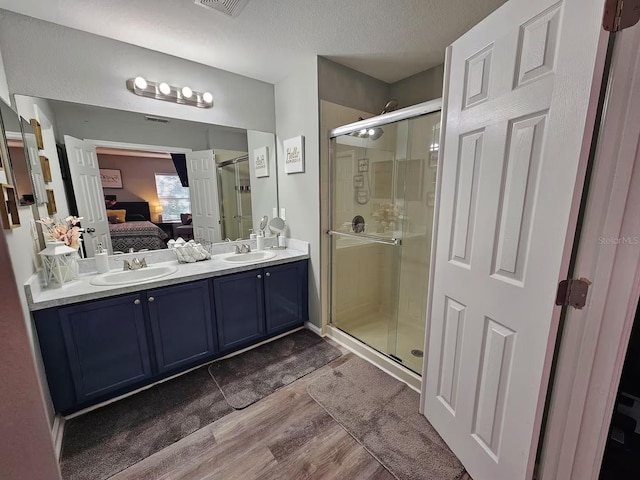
243,248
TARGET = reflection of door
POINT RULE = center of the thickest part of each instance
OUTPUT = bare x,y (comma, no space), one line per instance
518,94
35,168
203,191
87,187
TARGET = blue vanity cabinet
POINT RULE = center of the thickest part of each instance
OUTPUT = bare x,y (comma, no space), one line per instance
239,309
181,324
100,349
285,296
106,345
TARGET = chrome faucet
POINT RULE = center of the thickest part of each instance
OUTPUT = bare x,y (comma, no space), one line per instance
243,248
135,264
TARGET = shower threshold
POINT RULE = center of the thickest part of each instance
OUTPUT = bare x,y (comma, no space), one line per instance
379,359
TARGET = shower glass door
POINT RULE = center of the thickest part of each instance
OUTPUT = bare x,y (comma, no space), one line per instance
383,191
234,189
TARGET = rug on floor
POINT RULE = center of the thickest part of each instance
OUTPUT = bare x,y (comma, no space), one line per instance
382,414
103,442
250,376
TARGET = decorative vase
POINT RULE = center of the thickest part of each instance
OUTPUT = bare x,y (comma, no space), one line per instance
60,264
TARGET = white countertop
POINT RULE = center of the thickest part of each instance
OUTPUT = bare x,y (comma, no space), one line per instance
81,290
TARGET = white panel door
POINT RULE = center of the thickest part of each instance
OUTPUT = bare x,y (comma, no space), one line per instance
87,187
35,168
519,87
203,190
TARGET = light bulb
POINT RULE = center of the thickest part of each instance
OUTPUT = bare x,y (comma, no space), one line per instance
363,131
140,83
187,92
372,131
165,89
207,97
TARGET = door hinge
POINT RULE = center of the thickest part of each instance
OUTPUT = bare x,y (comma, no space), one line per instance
620,14
573,293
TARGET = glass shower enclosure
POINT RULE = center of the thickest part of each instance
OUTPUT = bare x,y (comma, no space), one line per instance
383,190
234,190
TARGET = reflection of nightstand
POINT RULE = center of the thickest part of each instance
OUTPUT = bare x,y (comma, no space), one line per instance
167,227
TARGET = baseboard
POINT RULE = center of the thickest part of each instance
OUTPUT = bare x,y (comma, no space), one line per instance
314,329
397,371
57,431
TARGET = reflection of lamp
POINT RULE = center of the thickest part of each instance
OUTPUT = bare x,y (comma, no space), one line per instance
158,210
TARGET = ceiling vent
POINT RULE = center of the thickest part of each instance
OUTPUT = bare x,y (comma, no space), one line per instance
231,8
149,118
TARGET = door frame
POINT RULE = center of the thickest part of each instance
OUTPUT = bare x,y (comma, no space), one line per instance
589,357
136,146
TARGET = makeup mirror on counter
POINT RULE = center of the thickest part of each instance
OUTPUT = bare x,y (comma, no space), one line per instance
140,180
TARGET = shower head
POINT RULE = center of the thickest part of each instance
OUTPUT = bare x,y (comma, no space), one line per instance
390,106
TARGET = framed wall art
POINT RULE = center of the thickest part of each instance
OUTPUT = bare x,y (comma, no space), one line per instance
261,161
111,178
294,155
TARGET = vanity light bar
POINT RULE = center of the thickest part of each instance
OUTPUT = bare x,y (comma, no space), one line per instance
169,93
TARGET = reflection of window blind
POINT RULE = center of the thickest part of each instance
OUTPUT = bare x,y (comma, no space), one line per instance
173,197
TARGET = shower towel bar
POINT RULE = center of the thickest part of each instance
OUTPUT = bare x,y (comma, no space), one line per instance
387,241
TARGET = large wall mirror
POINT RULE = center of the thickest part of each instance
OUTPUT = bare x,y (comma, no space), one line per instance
22,152
139,180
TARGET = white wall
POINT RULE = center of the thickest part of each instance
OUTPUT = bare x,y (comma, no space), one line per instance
4,87
264,190
297,114
50,61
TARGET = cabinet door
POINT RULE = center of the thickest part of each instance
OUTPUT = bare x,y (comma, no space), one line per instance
106,345
285,292
239,308
181,324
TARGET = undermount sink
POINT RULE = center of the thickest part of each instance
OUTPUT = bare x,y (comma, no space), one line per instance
133,276
250,257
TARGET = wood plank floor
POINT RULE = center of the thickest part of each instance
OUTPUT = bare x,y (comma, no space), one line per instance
286,435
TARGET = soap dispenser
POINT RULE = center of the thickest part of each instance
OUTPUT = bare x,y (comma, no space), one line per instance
102,259
260,241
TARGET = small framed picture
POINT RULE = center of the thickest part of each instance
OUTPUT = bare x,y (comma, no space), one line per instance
261,161
433,159
358,181
362,197
363,165
294,155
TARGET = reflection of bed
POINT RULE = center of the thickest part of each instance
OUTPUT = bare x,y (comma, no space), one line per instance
137,232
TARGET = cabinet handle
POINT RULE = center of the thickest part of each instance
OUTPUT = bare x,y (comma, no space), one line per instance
136,301
259,277
151,299
268,274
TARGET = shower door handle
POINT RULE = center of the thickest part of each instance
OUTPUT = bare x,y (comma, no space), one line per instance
372,238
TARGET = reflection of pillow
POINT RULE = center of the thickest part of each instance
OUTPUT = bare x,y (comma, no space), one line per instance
113,219
120,214
186,218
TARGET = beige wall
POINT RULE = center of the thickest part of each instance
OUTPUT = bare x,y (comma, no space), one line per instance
26,448
418,88
20,171
138,177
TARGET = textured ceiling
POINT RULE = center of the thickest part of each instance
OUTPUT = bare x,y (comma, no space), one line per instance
387,39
